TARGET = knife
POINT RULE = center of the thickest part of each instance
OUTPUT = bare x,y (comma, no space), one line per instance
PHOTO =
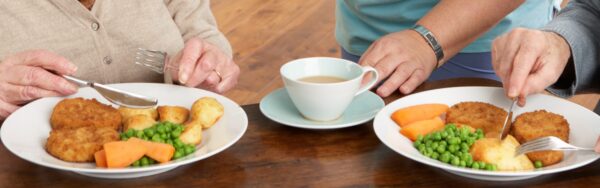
507,121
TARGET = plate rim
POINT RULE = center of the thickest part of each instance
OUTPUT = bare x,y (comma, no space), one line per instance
172,164
437,164
314,126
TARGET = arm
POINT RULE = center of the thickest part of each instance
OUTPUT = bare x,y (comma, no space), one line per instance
466,23
194,19
406,59
579,25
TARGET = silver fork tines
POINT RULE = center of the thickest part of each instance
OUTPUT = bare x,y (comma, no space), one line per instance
546,143
156,61
153,60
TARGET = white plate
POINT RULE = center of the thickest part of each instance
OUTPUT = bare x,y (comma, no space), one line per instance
583,124
24,133
278,107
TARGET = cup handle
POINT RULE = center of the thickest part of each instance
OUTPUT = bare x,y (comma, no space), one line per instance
374,78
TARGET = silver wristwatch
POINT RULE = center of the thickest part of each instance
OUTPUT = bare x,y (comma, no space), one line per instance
425,33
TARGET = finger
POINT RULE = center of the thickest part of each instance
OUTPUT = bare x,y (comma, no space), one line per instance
387,65
38,77
16,94
211,81
521,101
189,56
230,78
538,81
49,61
505,60
6,109
205,65
397,78
415,79
372,55
597,147
522,66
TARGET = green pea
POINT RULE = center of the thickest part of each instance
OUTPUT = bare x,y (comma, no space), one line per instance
482,165
139,134
538,164
156,137
178,143
428,143
452,148
444,134
434,145
160,129
427,137
168,128
441,148
191,149
462,164
420,138
422,148
437,136
144,161
416,144
149,132
136,163
175,134
123,137
490,167
445,157
455,161
469,163
164,136
170,142
464,145
494,168
177,155
435,155
475,165
129,132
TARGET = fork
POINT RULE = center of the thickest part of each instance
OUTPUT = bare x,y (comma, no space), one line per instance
547,143
156,61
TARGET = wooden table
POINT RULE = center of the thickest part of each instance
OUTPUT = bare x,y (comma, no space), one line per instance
274,155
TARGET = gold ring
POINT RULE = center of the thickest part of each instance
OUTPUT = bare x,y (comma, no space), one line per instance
219,74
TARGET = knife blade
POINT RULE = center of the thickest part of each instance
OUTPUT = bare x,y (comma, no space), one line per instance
507,121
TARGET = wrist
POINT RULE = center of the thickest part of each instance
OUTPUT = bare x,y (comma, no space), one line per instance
425,53
431,41
561,45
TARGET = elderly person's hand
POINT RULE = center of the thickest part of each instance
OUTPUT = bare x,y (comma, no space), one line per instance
528,61
404,58
203,65
26,76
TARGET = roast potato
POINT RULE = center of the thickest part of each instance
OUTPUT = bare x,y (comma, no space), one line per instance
206,111
192,134
129,112
139,122
173,114
500,153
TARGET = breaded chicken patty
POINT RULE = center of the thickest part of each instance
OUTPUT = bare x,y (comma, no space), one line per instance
79,144
79,112
532,125
478,115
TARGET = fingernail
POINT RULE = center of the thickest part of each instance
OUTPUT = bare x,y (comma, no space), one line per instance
70,88
183,78
73,68
512,93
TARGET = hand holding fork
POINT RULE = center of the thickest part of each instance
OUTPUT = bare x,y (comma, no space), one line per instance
199,64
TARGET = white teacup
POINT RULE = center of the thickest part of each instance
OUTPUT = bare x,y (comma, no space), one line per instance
318,101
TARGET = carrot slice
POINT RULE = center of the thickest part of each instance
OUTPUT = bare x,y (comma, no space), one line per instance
100,158
423,127
157,151
411,114
120,154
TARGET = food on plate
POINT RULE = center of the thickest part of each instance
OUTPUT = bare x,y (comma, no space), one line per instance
411,114
192,134
500,153
129,112
478,115
451,145
138,122
85,130
174,114
532,125
461,142
120,154
163,132
79,112
422,127
207,111
79,144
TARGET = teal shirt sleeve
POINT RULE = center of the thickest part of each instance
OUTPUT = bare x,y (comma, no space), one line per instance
360,22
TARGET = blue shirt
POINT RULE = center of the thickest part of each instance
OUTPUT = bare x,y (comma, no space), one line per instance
361,22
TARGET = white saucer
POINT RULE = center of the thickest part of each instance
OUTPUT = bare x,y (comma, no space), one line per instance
278,107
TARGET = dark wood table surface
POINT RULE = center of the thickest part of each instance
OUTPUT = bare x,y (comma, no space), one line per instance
274,155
